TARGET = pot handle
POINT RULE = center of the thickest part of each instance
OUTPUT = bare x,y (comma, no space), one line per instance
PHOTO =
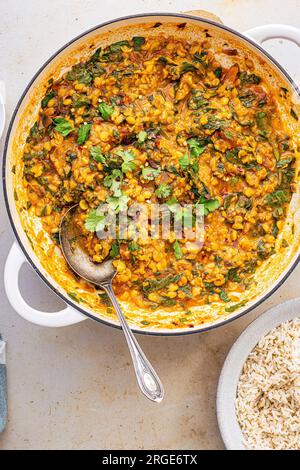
261,34
204,14
14,262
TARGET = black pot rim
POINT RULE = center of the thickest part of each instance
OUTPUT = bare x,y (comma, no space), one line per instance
12,120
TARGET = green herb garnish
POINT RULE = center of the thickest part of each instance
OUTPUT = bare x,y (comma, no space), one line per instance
142,136
94,221
63,126
138,42
177,250
46,99
128,157
149,173
223,296
184,162
96,154
162,283
105,110
277,198
118,204
163,191
83,133
113,182
114,251
196,147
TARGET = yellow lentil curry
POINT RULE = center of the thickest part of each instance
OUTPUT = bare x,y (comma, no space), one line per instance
162,120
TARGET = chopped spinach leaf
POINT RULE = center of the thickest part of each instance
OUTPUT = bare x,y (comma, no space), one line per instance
138,42
46,99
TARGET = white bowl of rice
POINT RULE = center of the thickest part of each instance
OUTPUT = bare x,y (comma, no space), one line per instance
258,398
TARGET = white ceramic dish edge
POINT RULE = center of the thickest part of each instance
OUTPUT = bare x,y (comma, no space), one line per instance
226,392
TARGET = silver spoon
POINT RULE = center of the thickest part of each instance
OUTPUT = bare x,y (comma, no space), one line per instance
102,275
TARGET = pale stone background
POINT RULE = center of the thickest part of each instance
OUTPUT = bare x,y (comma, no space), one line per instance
74,387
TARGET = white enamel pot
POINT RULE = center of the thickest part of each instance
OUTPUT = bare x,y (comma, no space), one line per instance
21,251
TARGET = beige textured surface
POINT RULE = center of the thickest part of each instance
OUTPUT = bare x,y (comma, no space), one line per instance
74,387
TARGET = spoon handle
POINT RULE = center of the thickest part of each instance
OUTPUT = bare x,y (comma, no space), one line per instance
146,376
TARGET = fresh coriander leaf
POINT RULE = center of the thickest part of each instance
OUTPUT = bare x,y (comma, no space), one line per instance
163,191
196,147
63,126
94,221
128,157
83,133
142,136
211,205
184,162
180,213
105,110
96,154
177,250
113,182
118,204
149,173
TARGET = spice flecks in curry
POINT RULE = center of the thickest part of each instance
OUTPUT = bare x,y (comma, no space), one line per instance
163,120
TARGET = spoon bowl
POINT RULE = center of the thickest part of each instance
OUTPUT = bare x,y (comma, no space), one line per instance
102,275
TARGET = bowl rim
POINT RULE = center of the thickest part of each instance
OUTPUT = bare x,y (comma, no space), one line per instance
239,352
175,332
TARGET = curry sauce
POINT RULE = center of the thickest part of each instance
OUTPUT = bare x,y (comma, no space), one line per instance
162,120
